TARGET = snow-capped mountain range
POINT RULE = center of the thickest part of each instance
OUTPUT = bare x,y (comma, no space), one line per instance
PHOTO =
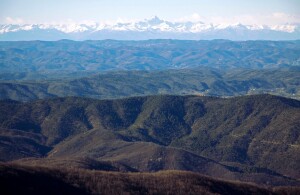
154,28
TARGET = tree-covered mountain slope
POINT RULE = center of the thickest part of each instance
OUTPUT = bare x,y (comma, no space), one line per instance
244,138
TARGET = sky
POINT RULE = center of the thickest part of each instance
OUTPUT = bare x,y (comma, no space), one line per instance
209,11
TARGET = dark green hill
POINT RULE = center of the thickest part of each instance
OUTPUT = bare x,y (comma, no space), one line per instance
250,138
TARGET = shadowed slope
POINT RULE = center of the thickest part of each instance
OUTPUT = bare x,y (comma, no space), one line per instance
72,181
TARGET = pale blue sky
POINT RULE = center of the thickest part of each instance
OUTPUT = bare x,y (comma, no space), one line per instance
45,11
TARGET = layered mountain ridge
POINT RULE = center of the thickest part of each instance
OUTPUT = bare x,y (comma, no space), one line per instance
187,106
113,69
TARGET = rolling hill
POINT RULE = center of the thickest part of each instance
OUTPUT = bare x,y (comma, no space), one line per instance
67,55
251,138
117,84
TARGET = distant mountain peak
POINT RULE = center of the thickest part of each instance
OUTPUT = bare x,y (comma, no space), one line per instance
154,20
145,29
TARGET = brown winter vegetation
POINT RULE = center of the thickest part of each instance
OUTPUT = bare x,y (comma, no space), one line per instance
79,181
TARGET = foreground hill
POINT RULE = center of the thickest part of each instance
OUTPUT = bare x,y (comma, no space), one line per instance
78,181
251,138
205,81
